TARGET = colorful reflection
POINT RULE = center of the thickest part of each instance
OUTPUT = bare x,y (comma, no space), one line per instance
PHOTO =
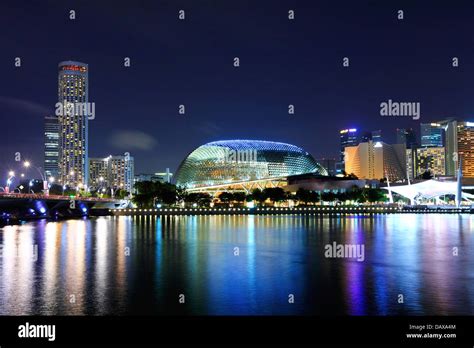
238,265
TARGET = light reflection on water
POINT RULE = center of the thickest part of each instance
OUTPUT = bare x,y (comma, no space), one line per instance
140,265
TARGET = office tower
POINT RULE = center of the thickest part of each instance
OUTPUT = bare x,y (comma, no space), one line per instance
371,160
431,135
51,147
98,173
348,137
376,136
329,164
410,163
430,159
466,148
73,124
121,172
116,172
459,145
407,137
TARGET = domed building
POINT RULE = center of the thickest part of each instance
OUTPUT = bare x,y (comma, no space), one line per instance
237,163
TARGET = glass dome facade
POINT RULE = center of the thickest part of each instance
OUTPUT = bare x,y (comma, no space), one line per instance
231,161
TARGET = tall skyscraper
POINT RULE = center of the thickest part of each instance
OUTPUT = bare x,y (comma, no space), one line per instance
466,148
431,135
73,125
459,145
51,147
329,164
375,136
348,137
407,137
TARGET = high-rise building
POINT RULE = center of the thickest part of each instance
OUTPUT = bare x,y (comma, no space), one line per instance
459,145
117,172
51,147
121,172
431,135
73,125
466,148
407,137
329,164
375,136
451,145
410,163
430,159
371,160
348,137
98,173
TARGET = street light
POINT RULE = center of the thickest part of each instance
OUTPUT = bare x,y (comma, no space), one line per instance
11,175
27,164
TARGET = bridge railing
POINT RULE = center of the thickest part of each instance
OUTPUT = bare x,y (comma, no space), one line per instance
55,197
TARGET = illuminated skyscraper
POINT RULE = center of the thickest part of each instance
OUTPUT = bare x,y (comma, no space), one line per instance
51,146
459,146
466,148
115,172
407,137
348,137
431,135
73,126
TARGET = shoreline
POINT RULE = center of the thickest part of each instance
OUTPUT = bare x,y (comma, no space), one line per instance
295,210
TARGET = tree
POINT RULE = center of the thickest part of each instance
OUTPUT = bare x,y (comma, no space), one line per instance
328,196
258,195
313,197
226,197
239,196
374,195
180,194
303,195
199,198
426,175
275,194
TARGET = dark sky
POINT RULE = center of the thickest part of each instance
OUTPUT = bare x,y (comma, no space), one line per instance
190,62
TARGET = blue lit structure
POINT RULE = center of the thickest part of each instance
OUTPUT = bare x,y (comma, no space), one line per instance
231,161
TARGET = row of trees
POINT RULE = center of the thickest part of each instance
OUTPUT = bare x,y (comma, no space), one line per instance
303,196
149,194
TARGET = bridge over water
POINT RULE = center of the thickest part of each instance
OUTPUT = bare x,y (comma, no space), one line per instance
17,206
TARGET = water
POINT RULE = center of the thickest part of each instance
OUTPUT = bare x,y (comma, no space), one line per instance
141,265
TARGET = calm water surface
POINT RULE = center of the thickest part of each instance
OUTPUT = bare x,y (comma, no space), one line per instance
141,265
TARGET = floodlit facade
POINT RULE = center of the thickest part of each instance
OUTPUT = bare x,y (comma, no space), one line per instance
51,147
430,159
115,172
376,161
233,162
459,146
73,127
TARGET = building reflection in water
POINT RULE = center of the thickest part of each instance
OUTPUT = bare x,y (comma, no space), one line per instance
238,265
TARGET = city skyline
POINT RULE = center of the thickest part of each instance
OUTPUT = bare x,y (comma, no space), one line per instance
142,115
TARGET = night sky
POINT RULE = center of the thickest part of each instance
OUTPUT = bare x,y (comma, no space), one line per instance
190,62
